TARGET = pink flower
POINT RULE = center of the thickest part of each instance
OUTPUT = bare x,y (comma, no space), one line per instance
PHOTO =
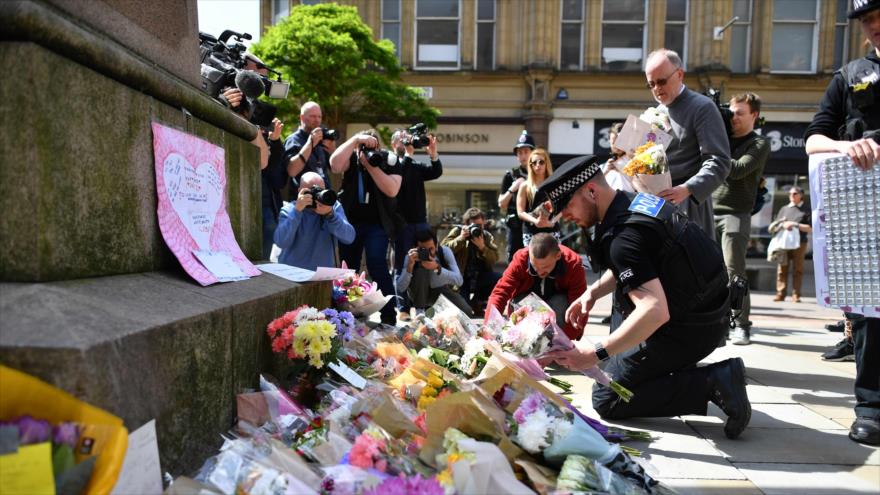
365,452
529,405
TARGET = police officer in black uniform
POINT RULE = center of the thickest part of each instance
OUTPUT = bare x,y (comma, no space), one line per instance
670,283
848,122
510,184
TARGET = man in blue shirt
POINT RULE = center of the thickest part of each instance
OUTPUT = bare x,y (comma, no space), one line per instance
308,230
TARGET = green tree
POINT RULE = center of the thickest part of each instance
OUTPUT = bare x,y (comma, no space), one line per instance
329,56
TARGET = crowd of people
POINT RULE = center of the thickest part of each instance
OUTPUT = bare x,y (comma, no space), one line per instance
667,259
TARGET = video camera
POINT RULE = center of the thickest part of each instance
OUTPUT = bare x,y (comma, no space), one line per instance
223,66
418,136
379,158
323,196
726,112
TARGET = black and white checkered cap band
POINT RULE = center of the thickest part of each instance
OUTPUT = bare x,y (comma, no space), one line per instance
571,184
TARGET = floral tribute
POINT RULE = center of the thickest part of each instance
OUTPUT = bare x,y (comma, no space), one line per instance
304,333
649,159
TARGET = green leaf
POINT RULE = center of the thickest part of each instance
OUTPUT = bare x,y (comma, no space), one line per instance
329,55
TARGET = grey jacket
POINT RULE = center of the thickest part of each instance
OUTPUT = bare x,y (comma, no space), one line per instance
699,154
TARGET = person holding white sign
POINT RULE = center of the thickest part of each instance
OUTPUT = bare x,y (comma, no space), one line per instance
310,227
699,153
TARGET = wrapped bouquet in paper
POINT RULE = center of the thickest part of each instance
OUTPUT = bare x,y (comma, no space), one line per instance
472,467
649,169
357,295
652,126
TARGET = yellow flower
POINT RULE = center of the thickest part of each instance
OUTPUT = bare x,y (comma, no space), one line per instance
429,391
435,381
425,401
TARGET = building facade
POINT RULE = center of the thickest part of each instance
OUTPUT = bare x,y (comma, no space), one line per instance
565,70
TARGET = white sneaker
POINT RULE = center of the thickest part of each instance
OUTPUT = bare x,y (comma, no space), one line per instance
741,336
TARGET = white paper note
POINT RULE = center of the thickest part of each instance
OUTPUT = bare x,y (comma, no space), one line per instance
296,274
636,132
141,472
348,374
221,265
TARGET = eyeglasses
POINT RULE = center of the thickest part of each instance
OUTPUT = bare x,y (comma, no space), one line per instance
660,82
538,163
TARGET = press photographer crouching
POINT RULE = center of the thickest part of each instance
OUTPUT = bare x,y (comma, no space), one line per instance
476,254
430,272
310,227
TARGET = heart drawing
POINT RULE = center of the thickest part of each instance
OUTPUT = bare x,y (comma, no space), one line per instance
195,193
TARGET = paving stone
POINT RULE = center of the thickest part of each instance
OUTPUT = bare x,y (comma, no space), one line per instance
815,479
788,415
712,487
791,445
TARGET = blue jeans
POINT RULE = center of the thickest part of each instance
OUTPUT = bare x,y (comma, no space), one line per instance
372,239
269,226
405,240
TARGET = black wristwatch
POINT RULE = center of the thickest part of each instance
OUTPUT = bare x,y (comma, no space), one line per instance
601,353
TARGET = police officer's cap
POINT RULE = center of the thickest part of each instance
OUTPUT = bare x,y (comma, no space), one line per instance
525,140
861,7
567,179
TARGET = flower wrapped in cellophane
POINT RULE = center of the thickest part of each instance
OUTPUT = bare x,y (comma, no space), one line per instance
305,334
357,295
468,466
649,169
657,118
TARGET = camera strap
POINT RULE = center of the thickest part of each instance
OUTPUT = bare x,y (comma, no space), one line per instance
363,197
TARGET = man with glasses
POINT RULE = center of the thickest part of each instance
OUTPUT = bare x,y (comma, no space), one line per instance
699,153
476,254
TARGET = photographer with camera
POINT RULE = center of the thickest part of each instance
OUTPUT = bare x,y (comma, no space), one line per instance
735,198
476,254
371,180
412,196
310,227
430,271
510,184
303,149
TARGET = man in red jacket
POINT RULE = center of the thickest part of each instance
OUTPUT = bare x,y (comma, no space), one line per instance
552,271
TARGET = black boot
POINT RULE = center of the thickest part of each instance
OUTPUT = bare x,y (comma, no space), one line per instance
865,430
727,381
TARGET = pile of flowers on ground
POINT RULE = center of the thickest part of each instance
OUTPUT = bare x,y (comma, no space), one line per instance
392,415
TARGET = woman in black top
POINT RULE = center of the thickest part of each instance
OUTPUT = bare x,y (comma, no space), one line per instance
534,222
848,122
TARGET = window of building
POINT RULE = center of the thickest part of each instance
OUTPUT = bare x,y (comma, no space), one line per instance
391,23
280,10
795,36
437,31
484,58
623,34
841,34
571,35
676,28
311,2
741,36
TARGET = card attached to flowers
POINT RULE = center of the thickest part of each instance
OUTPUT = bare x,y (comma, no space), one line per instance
636,132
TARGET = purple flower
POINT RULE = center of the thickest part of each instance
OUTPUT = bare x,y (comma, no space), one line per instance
343,320
529,405
32,430
415,485
66,434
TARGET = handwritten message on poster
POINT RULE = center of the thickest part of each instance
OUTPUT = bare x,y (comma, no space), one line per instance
190,182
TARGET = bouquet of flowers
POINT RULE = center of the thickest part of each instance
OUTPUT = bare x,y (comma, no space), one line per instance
541,427
375,449
657,118
469,466
649,169
355,294
305,334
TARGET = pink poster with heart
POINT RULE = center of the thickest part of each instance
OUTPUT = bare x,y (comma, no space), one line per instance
191,185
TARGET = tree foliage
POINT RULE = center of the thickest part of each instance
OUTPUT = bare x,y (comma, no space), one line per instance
329,56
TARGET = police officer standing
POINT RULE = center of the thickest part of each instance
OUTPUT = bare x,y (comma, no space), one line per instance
848,122
510,185
675,300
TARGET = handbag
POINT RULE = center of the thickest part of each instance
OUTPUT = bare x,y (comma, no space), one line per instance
791,239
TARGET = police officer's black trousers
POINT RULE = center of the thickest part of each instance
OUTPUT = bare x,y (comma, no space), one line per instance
661,373
866,343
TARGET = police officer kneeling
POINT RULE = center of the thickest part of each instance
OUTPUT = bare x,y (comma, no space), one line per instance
671,284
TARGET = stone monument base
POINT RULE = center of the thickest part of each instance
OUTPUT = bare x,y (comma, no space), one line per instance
151,345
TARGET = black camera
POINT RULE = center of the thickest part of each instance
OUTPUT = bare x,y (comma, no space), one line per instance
330,134
726,112
424,254
475,230
223,64
379,158
323,196
418,136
